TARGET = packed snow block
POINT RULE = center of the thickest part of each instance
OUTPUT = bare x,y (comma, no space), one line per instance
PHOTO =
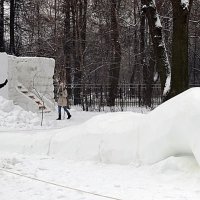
3,74
30,77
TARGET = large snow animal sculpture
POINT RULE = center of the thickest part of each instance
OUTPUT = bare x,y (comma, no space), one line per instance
172,129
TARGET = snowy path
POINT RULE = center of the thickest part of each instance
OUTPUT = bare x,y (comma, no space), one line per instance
163,181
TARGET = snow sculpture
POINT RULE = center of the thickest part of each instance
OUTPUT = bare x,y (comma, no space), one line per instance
172,129
30,81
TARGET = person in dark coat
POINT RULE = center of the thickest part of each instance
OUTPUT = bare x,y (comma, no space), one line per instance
62,100
3,84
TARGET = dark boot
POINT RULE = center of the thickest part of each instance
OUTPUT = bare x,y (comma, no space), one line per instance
59,117
68,113
69,116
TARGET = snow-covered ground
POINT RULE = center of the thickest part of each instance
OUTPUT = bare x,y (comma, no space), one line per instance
176,178
107,154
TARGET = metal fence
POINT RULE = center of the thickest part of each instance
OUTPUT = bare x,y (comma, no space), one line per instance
94,97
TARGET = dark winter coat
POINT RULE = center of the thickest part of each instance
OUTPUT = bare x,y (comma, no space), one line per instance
3,84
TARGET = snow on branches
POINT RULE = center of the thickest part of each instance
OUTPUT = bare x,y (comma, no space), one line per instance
185,4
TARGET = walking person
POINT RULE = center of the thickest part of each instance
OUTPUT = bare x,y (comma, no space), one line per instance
3,84
62,100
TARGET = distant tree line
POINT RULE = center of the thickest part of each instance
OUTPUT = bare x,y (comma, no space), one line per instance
108,41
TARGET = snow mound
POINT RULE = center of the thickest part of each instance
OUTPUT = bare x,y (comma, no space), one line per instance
12,116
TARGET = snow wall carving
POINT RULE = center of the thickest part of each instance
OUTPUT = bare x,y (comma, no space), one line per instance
35,74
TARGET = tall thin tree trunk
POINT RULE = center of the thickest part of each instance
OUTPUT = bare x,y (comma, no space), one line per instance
116,54
148,68
55,25
82,36
18,27
67,42
2,44
38,29
12,27
76,60
143,60
135,68
79,12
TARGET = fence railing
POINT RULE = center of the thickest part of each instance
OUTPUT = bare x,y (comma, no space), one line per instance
94,97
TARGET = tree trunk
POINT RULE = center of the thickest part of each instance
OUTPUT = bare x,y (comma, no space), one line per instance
76,60
116,55
38,18
82,48
147,64
162,61
2,44
136,68
12,27
79,11
67,42
180,76
143,57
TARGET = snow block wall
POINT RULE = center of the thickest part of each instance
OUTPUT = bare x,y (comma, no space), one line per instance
30,81
3,74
